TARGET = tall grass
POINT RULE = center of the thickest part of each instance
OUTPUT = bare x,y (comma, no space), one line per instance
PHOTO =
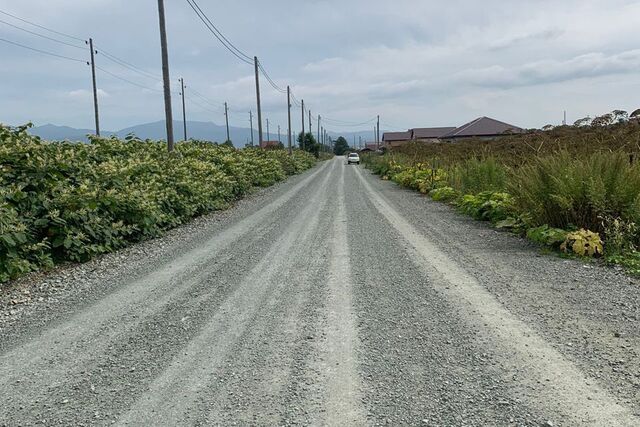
474,176
566,191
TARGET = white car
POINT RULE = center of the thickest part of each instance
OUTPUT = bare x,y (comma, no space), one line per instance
353,158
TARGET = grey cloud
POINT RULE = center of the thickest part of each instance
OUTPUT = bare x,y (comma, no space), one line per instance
521,39
553,71
405,59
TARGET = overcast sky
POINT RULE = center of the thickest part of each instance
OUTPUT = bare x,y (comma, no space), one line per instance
415,62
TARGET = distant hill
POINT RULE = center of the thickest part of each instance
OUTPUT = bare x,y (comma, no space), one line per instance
197,130
207,131
58,133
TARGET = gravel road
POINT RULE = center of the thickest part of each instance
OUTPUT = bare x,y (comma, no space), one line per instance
333,298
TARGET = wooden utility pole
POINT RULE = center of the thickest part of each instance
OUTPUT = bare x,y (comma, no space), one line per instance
184,109
375,137
168,116
279,139
318,129
255,65
95,87
303,142
251,125
378,132
226,118
268,136
310,129
289,117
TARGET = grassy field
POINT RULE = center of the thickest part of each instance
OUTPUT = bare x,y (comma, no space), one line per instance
70,201
576,189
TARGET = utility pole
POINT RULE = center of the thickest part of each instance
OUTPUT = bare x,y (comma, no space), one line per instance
268,136
226,117
95,88
279,139
184,109
255,65
378,132
564,121
375,137
303,139
321,141
165,76
289,116
310,128
318,128
251,125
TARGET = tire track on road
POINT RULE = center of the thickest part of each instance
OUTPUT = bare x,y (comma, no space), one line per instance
48,366
173,395
343,389
566,389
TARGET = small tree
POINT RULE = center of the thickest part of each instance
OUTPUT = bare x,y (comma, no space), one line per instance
341,146
228,143
604,120
585,121
309,143
620,116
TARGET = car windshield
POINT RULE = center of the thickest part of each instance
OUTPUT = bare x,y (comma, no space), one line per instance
353,155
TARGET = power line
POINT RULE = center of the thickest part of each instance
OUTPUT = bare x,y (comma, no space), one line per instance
221,38
43,27
127,80
335,122
295,100
42,51
202,97
204,108
220,32
128,65
271,82
42,35
391,126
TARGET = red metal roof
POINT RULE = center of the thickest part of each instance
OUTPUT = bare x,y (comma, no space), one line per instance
396,136
483,126
420,133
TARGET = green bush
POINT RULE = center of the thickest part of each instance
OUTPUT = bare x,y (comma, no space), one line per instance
71,201
583,242
444,194
487,206
547,236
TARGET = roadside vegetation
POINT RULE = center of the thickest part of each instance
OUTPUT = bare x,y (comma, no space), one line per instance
63,201
572,188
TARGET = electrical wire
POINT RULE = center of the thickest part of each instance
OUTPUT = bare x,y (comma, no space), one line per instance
271,82
42,35
389,125
127,65
335,122
127,80
42,27
218,35
202,107
203,98
43,51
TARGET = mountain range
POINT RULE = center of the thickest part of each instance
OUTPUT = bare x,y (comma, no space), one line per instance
207,131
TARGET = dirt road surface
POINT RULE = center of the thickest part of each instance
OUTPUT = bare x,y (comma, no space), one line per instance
334,298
